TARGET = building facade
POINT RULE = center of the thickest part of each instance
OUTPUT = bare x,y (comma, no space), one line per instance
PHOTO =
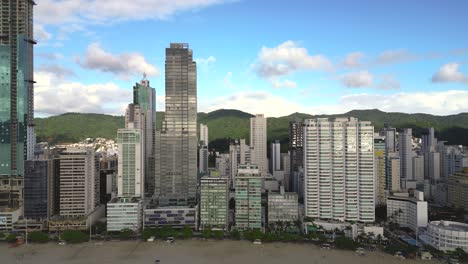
239,154
38,175
339,169
407,211
458,190
405,146
214,209
448,235
248,197
176,217
141,114
296,150
418,168
177,141
78,182
17,137
379,168
131,169
283,207
258,143
124,213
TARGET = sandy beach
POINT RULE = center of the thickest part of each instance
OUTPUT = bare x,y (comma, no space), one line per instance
193,252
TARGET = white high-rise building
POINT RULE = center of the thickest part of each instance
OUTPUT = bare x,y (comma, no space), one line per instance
434,165
131,168
258,142
393,181
405,150
203,134
407,211
418,168
339,169
79,182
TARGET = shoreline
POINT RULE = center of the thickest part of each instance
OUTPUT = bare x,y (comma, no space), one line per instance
189,251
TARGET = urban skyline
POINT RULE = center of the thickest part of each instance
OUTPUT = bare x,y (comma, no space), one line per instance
94,61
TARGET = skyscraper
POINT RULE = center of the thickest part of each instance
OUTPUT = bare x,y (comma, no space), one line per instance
390,138
130,180
176,151
204,134
16,97
248,197
405,149
379,168
296,150
339,169
275,156
258,142
141,114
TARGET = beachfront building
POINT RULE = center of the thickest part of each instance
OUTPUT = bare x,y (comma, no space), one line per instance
78,182
282,207
448,235
339,169
169,216
379,168
8,217
214,195
124,213
407,211
177,141
248,197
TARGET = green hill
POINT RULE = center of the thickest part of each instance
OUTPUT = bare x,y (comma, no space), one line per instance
230,124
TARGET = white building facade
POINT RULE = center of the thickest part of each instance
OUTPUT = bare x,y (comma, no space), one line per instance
339,169
408,211
130,173
258,142
124,213
447,235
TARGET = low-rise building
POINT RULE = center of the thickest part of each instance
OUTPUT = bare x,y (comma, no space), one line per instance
407,211
124,213
214,195
171,216
282,207
9,216
447,235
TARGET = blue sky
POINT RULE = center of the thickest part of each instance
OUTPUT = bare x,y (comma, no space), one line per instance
271,57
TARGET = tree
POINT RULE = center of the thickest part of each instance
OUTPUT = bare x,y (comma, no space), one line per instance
99,228
38,237
186,233
298,225
11,238
235,234
2,235
73,236
346,243
125,234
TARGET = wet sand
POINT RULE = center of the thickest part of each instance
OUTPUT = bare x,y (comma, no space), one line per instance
190,252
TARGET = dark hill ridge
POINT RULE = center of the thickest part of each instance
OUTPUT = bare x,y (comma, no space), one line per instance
227,123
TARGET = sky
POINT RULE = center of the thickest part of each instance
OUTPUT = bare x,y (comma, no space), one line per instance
258,56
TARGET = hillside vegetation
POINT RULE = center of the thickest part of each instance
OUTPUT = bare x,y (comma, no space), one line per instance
231,124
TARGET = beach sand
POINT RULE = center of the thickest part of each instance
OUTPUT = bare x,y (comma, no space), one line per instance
190,252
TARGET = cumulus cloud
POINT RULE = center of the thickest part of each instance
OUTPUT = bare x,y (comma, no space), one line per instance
388,82
283,84
57,70
58,12
286,58
357,79
40,34
395,56
205,61
353,60
449,73
53,95
258,102
124,65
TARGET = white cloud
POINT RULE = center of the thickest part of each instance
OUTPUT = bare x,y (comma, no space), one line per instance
450,73
258,102
388,82
207,61
124,65
353,60
357,79
228,81
53,95
56,12
283,84
40,34
395,56
286,58
56,69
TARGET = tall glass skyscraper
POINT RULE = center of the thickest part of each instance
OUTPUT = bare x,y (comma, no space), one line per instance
176,151
16,96
141,114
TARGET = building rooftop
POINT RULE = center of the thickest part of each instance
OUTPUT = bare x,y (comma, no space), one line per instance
452,226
